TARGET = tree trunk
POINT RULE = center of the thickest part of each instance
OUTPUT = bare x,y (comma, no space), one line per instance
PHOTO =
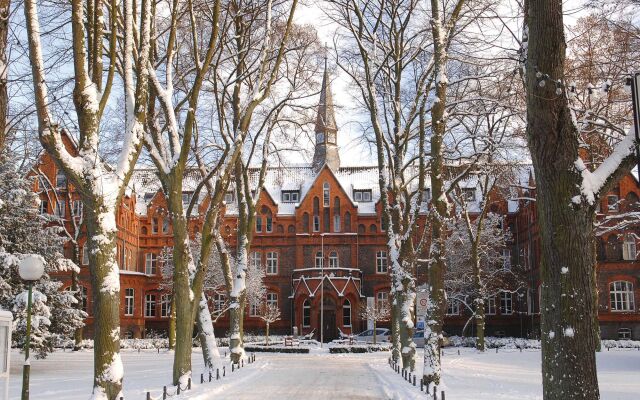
183,295
568,307
267,338
206,335
374,331
395,328
236,315
105,282
480,294
172,324
4,65
77,335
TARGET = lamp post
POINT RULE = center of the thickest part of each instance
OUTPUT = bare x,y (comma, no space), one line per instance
31,269
322,290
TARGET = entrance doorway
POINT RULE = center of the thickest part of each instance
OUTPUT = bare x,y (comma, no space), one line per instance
329,328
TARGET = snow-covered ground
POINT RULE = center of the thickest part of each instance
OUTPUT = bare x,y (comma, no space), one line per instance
508,374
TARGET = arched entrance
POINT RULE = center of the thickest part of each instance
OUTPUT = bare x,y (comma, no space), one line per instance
330,331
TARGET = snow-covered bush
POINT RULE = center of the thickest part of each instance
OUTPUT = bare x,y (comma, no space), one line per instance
359,348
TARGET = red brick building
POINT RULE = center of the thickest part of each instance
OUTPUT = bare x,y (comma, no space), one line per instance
326,217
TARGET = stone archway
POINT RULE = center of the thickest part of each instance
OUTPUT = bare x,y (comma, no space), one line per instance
330,322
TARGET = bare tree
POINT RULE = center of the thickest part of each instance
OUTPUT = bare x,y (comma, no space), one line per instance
101,186
567,195
375,313
269,313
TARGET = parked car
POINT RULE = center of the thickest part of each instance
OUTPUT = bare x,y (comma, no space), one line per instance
418,338
382,335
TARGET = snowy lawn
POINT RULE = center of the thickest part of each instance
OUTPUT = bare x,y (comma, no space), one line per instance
509,374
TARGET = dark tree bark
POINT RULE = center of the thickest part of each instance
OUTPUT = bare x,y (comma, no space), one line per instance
4,66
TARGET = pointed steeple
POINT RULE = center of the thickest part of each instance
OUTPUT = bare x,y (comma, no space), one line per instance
326,150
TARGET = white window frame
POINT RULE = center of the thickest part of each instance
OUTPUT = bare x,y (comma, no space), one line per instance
272,263
60,209
306,313
616,203
316,223
334,260
255,259
229,198
506,303
272,299
78,208
621,296
60,176
382,263
85,255
326,194
506,259
150,303
624,334
254,308
154,226
268,224
218,301
453,307
629,250
165,225
150,263
129,301
165,306
382,300
319,260
336,223
44,207
346,313
490,306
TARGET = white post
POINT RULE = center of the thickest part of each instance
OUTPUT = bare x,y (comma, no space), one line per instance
6,319
322,290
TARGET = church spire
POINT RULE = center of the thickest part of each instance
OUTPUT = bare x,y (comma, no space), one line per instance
326,150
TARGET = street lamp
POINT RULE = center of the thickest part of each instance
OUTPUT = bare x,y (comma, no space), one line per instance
31,269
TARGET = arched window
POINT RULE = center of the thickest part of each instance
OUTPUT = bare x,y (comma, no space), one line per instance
336,215
292,228
613,248
269,227
629,247
258,224
305,222
361,229
621,293
319,260
373,228
333,260
346,313
347,221
325,194
306,313
382,300
316,214
82,291
61,180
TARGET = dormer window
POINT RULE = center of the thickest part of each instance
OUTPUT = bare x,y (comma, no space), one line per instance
325,194
319,137
186,199
148,196
61,180
426,195
362,196
228,197
331,137
469,194
290,196
612,203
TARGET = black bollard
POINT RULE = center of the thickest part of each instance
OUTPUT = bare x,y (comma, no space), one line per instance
224,371
201,378
414,380
422,385
209,375
189,384
148,396
178,390
435,393
164,393
242,361
217,373
442,395
496,350
158,350
233,367
458,351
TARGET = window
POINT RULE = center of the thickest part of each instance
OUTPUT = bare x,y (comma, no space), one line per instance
426,195
316,223
228,197
154,225
612,203
269,223
316,214
331,137
186,199
254,308
319,137
347,221
336,215
255,259
272,299
85,255
60,209
346,313
382,300
305,222
325,194
624,333
83,296
490,306
292,196
258,224
629,247
469,194
621,293
77,208
128,301
165,225
165,306
306,313
506,259
319,260
61,180
218,302
151,263
530,305
453,307
613,248
272,263
362,196
150,305
333,260
381,262
506,303
44,207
